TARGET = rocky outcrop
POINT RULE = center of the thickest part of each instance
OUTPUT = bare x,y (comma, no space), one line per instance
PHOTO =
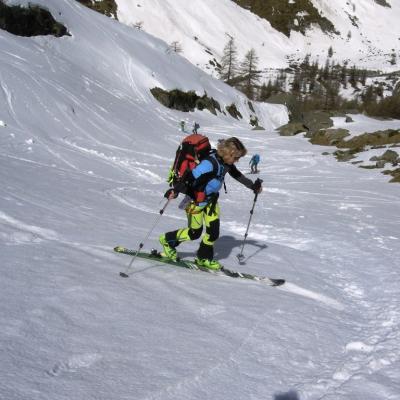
395,173
233,111
285,17
389,156
318,128
389,136
291,129
106,7
185,101
29,21
313,121
329,137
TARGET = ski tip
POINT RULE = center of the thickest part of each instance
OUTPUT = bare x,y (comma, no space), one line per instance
277,282
123,275
118,249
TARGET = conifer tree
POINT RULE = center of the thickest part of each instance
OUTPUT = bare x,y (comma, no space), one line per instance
229,67
369,96
326,72
353,76
314,70
250,73
343,75
265,91
363,77
296,84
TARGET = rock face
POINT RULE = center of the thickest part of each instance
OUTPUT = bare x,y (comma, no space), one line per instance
329,137
185,101
309,122
395,173
291,129
389,156
317,126
289,16
106,7
390,136
29,21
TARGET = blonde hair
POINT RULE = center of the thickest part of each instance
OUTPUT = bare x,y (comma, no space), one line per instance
227,146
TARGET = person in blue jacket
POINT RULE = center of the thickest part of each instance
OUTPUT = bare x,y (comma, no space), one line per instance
254,163
203,184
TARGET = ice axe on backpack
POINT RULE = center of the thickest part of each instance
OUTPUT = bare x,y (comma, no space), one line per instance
257,184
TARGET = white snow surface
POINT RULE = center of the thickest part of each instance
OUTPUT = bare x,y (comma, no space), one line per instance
84,152
368,33
363,124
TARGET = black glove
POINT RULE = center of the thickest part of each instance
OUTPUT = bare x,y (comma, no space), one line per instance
257,186
168,193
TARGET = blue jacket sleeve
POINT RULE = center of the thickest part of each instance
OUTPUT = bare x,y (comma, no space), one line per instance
191,177
203,168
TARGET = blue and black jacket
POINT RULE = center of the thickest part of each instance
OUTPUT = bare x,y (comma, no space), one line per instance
205,181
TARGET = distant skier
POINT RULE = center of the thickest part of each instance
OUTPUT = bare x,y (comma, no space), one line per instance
254,163
196,126
182,125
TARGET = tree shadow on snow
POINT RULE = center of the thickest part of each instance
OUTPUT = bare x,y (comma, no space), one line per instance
292,395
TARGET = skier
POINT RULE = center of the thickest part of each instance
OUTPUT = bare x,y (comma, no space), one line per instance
196,126
253,163
182,125
206,180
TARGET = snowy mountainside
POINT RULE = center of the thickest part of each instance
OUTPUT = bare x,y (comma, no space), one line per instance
133,68
367,32
84,153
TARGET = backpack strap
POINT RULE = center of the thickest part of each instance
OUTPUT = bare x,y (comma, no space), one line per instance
216,167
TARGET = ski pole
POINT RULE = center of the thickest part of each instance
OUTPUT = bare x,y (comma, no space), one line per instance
240,256
127,270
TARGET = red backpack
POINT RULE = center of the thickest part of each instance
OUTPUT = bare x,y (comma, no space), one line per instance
190,152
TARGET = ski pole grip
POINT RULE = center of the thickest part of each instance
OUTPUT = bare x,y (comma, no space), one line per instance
257,184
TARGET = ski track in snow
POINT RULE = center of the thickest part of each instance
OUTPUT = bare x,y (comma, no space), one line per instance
197,381
74,363
29,233
295,289
312,219
127,165
25,232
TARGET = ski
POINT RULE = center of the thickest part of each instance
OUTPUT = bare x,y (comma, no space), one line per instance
156,256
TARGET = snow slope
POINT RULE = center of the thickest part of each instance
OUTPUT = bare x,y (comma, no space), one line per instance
368,32
84,151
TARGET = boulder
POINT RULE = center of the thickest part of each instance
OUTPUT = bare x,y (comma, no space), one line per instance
291,129
329,137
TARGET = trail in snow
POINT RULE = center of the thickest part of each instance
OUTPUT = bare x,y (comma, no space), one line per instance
85,151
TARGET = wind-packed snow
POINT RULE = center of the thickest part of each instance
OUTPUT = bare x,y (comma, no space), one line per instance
84,153
367,33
